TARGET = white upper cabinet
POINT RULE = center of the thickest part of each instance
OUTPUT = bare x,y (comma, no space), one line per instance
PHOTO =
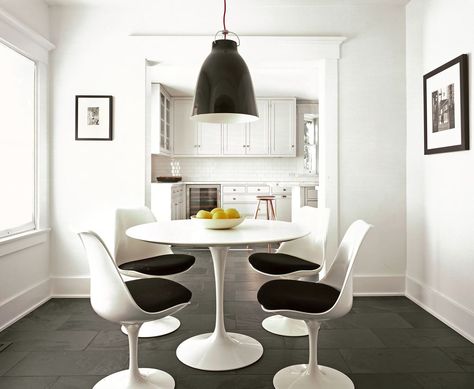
235,139
273,134
160,120
209,139
257,132
184,129
250,138
283,127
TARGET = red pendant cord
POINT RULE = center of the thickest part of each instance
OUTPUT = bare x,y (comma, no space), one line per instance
223,19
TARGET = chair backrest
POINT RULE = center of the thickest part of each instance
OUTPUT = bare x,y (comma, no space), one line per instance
339,275
311,247
110,297
128,249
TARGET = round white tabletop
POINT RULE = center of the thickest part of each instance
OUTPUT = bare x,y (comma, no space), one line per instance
219,350
191,233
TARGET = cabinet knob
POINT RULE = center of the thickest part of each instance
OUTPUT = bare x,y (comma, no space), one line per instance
234,189
292,146
233,198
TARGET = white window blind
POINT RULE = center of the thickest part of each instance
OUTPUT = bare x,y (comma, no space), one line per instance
17,142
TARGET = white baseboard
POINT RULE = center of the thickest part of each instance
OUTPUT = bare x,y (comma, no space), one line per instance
454,315
379,285
14,308
70,286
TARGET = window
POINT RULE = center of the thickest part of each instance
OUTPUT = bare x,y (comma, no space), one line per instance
17,142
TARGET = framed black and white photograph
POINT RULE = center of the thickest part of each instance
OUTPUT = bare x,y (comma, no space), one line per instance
446,107
94,117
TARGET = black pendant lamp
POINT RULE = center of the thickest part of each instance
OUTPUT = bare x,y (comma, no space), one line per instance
224,91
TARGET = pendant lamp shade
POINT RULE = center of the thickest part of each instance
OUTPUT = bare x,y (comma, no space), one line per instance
224,91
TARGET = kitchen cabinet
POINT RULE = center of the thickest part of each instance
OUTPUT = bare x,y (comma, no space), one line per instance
305,195
248,138
184,129
274,134
161,136
283,127
191,138
244,198
168,201
209,139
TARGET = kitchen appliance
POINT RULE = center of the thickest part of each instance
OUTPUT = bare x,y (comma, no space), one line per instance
204,197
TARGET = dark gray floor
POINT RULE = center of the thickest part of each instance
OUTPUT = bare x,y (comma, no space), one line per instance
384,343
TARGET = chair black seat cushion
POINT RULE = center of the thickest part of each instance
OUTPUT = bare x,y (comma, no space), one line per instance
277,263
296,295
158,294
162,265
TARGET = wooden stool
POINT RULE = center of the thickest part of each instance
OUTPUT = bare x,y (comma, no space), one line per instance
270,208
270,211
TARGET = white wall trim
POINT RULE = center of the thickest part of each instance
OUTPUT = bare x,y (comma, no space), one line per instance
379,285
19,305
70,286
17,34
22,241
453,314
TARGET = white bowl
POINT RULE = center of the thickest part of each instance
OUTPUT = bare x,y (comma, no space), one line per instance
218,224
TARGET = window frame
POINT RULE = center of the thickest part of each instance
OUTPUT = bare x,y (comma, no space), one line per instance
32,225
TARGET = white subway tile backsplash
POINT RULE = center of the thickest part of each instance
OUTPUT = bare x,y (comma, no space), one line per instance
226,169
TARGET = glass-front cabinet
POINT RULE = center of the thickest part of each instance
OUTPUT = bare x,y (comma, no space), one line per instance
160,120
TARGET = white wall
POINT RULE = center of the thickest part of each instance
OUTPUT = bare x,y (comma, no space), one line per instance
91,178
25,262
440,187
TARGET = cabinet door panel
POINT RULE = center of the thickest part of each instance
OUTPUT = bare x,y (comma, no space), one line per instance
258,138
234,139
210,139
184,129
283,127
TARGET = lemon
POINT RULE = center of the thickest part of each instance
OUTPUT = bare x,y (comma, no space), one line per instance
203,215
232,213
216,210
219,215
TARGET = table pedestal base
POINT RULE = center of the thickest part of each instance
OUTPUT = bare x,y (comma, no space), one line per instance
218,353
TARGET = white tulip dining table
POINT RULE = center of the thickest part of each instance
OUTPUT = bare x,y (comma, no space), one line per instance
219,350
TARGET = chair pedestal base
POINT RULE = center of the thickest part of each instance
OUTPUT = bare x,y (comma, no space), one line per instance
297,377
150,379
281,325
219,352
160,327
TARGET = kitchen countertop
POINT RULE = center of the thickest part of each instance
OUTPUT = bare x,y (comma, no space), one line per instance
270,183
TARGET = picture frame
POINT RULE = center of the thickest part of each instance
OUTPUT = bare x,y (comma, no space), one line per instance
446,107
94,117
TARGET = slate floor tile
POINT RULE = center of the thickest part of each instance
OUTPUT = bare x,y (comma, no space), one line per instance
27,382
463,356
368,320
40,322
87,322
401,360
75,382
422,319
209,381
340,338
420,337
70,363
385,381
47,340
8,359
446,381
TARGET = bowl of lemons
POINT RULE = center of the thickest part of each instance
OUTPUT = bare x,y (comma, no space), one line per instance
218,218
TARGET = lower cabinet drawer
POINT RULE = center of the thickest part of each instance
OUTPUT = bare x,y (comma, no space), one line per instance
238,198
233,189
258,189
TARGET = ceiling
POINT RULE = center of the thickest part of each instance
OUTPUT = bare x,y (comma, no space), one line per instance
262,3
